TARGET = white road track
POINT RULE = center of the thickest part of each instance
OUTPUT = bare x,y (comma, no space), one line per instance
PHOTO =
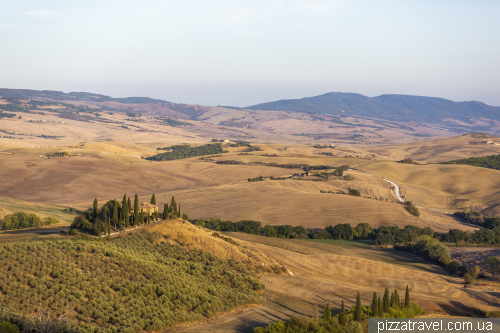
396,190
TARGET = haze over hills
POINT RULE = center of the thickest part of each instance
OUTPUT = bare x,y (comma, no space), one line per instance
389,107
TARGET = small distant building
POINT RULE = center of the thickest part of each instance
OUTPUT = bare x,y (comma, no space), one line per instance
490,142
226,141
145,207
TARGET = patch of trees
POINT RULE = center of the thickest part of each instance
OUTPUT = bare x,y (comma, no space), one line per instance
354,192
408,161
208,149
352,320
122,215
24,220
133,114
490,161
130,284
59,154
6,115
173,122
233,162
412,209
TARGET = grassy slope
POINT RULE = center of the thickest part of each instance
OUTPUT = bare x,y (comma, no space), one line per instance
11,205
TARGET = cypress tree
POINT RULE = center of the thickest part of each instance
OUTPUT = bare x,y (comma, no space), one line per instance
407,297
165,211
380,314
357,314
153,200
136,208
375,305
342,317
385,304
115,212
95,207
125,211
179,211
173,206
392,302
327,314
109,228
148,218
396,298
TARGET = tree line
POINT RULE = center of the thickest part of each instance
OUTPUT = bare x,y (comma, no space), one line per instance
389,306
490,161
122,215
208,149
24,220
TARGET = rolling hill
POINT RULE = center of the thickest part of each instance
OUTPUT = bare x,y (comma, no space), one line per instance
389,107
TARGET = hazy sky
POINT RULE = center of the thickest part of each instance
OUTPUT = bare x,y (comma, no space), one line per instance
242,53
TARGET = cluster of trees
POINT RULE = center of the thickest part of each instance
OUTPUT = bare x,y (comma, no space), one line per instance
412,209
232,162
121,215
261,178
208,149
24,220
490,161
354,192
349,321
6,115
129,284
58,154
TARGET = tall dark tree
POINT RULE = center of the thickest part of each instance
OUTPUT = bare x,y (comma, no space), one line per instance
153,200
95,209
148,218
109,228
136,208
407,297
327,314
386,302
165,211
129,208
380,314
396,298
115,212
392,302
357,313
342,316
375,305
173,206
179,211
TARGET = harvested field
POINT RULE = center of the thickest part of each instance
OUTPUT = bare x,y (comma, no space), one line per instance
329,273
445,187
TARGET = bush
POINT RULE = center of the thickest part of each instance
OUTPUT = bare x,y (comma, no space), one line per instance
354,192
412,209
6,327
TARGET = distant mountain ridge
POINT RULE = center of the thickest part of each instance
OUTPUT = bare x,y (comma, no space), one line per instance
389,107
74,96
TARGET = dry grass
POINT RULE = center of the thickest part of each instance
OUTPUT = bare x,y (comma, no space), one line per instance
194,237
448,187
329,273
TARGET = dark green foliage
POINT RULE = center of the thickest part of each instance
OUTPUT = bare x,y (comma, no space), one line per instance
24,220
165,211
342,316
126,211
131,283
354,192
340,231
357,313
115,212
153,200
136,208
412,209
407,297
375,305
327,313
490,162
6,327
386,302
492,265
95,208
380,308
208,149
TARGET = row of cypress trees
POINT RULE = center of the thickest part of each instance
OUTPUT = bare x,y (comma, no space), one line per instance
379,306
125,215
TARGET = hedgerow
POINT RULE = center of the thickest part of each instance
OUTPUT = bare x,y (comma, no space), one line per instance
133,283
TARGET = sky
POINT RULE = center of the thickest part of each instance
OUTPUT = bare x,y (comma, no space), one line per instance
241,53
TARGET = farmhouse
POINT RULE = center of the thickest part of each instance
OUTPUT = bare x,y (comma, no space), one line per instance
144,207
